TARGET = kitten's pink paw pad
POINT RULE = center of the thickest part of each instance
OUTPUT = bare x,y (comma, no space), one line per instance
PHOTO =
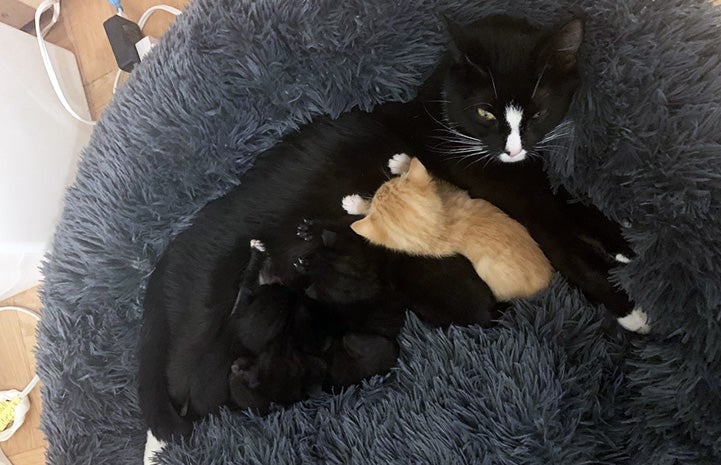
355,204
400,163
636,321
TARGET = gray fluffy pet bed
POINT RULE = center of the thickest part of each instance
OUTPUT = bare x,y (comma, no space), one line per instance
550,385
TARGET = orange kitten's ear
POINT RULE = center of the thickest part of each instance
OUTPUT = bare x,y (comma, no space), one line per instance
417,172
365,228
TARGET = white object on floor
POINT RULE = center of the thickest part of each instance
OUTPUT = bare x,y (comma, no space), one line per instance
40,144
14,404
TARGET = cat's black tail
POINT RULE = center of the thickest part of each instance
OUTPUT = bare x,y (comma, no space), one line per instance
159,412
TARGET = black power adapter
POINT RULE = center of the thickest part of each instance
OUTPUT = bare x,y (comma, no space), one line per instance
123,34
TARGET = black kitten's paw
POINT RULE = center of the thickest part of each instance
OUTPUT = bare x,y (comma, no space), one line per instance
312,230
306,230
244,372
257,245
302,265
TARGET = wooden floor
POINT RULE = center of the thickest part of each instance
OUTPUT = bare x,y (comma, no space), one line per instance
17,366
80,30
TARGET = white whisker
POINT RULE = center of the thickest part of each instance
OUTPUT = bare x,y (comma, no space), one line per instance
493,82
540,76
556,139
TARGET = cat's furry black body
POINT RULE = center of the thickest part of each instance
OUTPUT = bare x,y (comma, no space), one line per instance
358,290
195,285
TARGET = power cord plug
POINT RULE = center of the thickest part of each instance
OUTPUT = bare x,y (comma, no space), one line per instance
144,44
123,34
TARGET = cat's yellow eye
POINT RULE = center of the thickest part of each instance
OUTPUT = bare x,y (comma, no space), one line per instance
486,115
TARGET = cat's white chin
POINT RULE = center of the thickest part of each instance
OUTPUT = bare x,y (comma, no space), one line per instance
505,158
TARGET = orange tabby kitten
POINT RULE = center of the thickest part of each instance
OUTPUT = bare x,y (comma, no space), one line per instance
420,215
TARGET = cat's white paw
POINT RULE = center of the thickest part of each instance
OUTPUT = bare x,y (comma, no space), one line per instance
636,321
152,446
621,258
400,163
355,204
257,245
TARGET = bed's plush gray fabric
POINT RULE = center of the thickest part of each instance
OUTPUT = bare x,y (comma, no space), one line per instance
547,387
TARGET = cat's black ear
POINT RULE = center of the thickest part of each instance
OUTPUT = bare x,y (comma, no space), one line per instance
459,47
458,39
560,52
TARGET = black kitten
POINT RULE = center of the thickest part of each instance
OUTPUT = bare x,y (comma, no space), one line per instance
293,345
228,341
340,329
316,349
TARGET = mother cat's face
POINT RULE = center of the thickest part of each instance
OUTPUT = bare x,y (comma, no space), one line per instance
509,86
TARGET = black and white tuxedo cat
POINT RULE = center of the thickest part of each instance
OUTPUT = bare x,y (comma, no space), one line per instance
494,107
483,121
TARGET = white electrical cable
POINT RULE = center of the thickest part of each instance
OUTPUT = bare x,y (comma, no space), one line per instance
40,33
152,9
141,24
117,80
21,409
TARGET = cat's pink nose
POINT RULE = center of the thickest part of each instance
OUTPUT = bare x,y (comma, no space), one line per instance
513,151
